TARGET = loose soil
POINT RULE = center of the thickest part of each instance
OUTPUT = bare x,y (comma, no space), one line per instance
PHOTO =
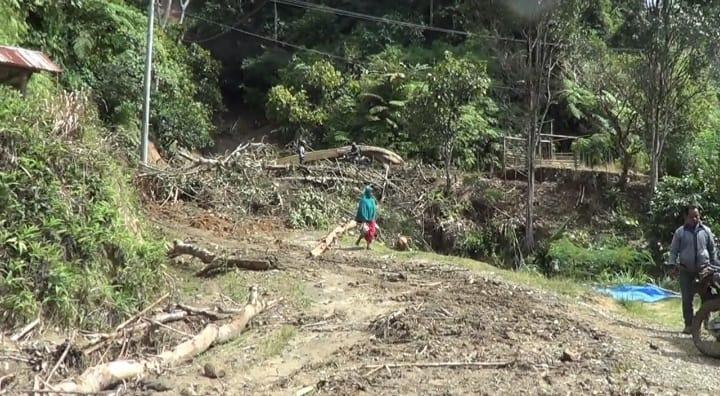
351,309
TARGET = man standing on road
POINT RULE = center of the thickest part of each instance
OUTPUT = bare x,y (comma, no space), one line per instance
692,248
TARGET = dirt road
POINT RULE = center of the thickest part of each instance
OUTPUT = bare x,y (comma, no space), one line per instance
352,320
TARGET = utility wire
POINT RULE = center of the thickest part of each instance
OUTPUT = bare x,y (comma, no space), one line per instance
300,47
261,37
337,11
372,18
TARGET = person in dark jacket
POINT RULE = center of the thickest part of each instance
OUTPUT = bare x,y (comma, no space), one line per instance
692,248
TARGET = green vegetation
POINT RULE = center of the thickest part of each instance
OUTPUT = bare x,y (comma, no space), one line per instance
587,262
274,344
312,210
70,247
101,46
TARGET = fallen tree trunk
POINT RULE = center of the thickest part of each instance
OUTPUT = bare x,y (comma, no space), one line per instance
215,262
101,377
332,237
377,153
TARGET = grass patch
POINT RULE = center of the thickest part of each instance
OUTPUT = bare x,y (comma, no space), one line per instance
276,341
560,285
666,313
236,285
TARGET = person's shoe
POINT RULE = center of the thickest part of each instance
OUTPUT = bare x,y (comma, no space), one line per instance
687,330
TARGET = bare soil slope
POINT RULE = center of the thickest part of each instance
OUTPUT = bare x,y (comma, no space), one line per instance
351,317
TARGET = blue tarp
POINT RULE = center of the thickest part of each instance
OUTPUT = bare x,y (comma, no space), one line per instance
643,293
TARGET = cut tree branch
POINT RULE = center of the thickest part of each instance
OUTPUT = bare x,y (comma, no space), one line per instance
216,263
101,377
25,330
331,238
499,364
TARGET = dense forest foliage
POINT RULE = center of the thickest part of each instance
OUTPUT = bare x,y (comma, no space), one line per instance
437,81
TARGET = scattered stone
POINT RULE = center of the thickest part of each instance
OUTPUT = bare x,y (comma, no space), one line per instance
395,277
569,356
210,371
189,391
654,346
402,244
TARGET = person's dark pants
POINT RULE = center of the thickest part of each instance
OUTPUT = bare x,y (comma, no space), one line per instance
688,290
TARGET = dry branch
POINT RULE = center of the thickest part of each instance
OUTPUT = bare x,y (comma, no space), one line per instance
331,238
25,330
236,262
98,378
499,364
61,359
180,248
141,313
214,315
321,180
215,262
135,330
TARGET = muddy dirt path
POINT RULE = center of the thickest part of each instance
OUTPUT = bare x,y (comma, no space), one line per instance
351,316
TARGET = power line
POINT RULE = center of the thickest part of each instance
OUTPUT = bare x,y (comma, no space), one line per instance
367,17
373,18
302,48
351,14
261,37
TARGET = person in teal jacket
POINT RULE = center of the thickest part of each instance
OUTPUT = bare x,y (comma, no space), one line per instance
366,216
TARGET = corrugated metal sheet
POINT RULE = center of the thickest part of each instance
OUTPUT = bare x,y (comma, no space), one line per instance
27,59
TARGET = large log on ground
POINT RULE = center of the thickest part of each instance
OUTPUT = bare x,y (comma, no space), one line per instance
103,376
217,263
377,153
330,238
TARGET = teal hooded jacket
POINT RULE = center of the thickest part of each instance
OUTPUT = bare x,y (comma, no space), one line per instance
367,208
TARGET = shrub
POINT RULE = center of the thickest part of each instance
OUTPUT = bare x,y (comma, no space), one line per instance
478,244
597,262
311,210
70,246
672,197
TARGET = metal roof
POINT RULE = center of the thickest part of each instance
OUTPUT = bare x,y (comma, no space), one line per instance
27,59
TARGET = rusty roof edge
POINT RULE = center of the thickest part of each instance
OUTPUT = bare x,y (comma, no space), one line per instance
28,59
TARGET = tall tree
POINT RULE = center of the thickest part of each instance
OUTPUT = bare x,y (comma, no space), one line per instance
545,26
452,85
615,100
677,38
